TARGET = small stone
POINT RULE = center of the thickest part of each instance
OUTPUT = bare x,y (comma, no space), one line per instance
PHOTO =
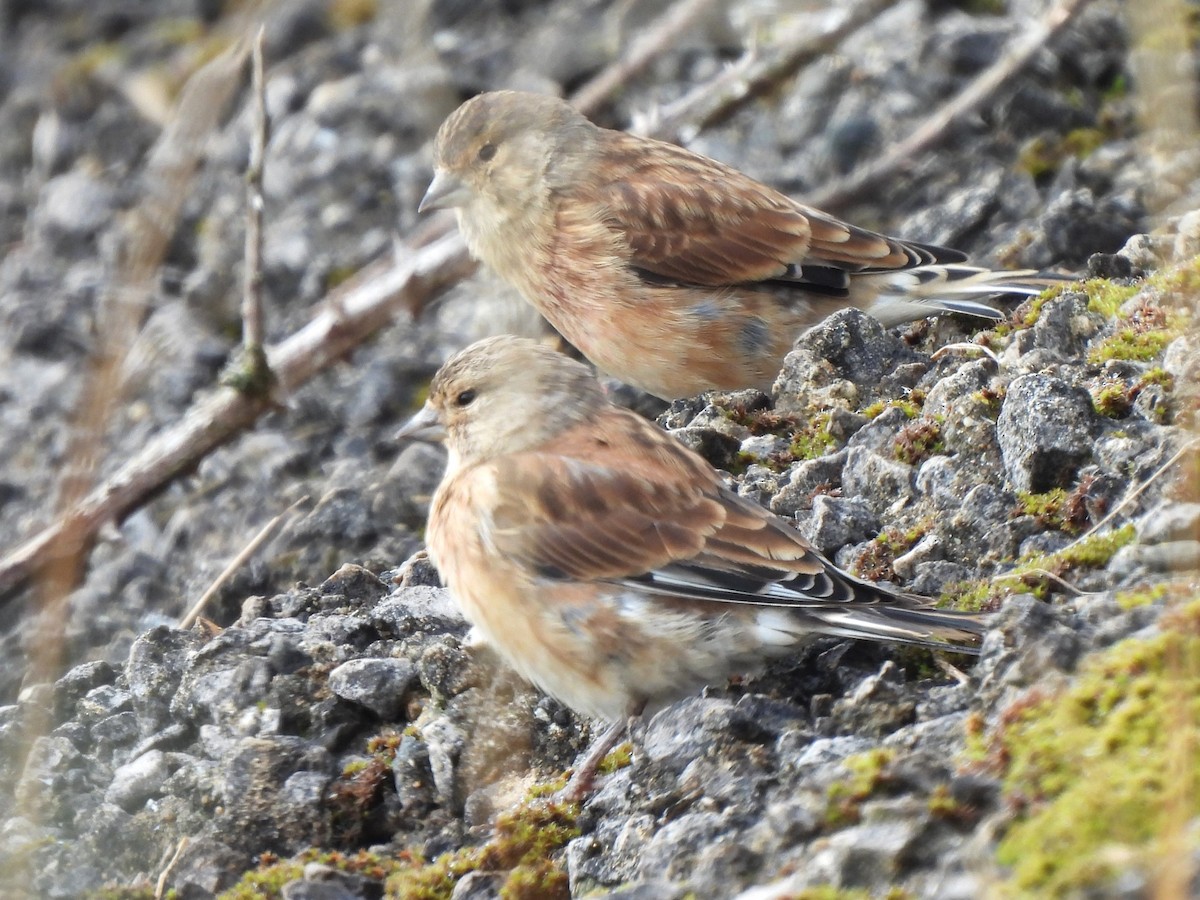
1045,431
136,782
378,684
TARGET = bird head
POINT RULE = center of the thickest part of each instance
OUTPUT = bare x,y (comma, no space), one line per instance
503,395
497,151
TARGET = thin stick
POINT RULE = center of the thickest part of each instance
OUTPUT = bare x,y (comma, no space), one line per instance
952,670
658,37
160,888
1135,493
758,72
143,235
365,305
267,532
1043,573
965,347
937,127
252,301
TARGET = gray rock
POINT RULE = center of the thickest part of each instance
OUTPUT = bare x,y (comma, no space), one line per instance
805,482
836,522
1045,431
138,781
883,484
1169,521
378,684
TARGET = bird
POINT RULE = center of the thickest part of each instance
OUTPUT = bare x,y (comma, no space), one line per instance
670,271
611,565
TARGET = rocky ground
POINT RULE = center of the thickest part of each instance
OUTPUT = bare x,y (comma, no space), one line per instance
334,732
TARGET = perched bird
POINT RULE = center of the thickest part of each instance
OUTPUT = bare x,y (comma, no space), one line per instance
667,270
610,564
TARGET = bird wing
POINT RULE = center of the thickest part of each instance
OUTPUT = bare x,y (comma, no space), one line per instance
696,221
617,499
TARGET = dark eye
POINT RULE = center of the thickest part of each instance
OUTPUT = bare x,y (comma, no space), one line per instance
487,151
465,398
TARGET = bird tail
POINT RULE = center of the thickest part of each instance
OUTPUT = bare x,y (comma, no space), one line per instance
936,629
910,294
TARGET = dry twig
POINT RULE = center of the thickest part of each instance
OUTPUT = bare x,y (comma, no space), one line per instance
252,300
160,887
759,72
938,127
658,37
364,306
145,235
267,532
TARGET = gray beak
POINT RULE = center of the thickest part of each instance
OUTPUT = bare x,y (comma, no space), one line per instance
446,191
424,426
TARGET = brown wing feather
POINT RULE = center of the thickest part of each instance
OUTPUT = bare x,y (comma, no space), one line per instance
697,221
574,514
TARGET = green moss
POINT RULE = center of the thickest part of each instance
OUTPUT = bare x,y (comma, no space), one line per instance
249,374
1113,399
844,799
911,405
1101,776
985,7
1031,310
1160,377
1092,552
1117,88
620,757
265,882
1130,344
522,845
1106,296
339,275
1036,573
178,32
991,399
1055,509
918,441
1143,597
1143,333
813,439
1043,156
875,564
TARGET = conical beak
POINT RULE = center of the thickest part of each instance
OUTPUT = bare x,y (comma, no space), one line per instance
446,191
424,426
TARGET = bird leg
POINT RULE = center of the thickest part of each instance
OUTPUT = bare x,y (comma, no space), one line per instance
583,780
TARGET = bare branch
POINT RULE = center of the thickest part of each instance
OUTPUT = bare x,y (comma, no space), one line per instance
252,300
360,308
143,238
937,127
758,72
267,532
659,37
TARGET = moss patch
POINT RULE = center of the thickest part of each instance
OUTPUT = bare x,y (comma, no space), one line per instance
919,440
1037,573
1055,509
1105,774
875,563
868,773
267,881
911,405
522,847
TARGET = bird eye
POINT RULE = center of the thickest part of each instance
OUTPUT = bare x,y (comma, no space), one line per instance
465,398
487,151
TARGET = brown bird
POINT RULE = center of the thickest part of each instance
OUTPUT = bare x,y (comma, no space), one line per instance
670,271
611,565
